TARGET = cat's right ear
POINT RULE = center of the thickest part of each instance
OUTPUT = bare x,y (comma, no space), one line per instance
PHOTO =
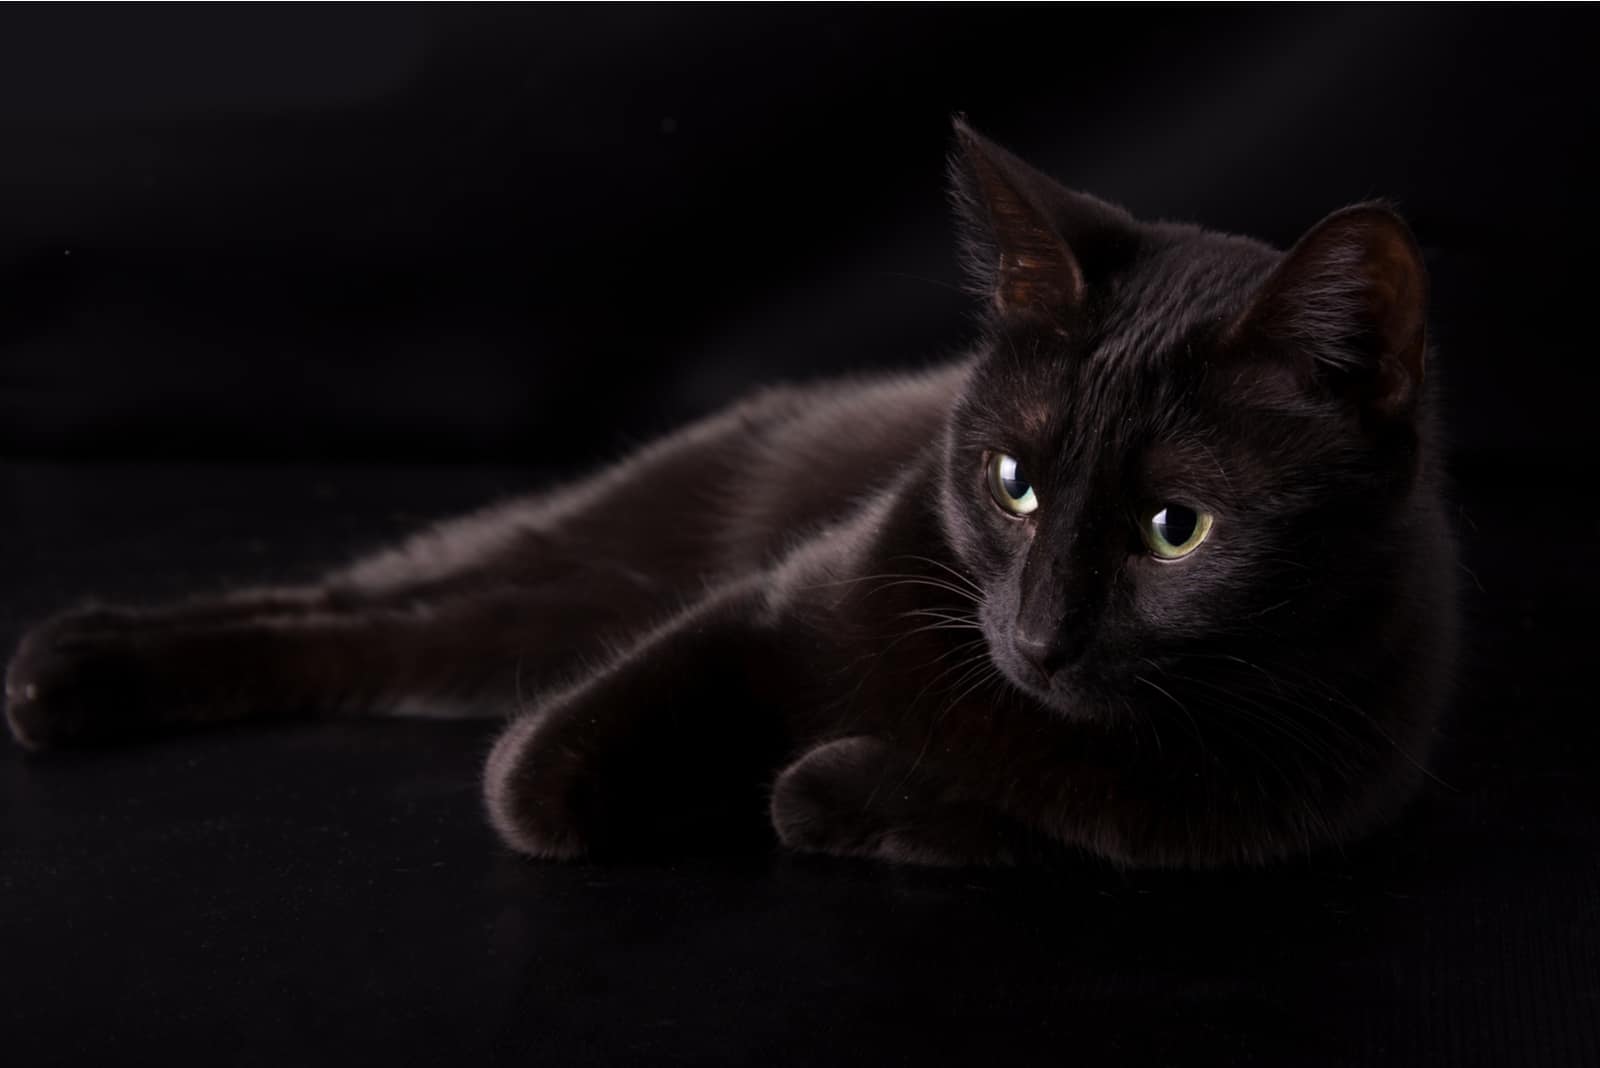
1020,229
1349,304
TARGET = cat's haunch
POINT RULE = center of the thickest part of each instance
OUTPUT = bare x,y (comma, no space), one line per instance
1160,572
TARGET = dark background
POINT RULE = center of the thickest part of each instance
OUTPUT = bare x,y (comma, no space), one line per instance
525,236
277,282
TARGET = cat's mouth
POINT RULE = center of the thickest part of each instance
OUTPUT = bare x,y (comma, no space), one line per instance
1071,690
1075,676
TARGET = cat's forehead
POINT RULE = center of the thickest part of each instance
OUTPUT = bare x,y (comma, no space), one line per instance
1155,315
1125,373
1183,284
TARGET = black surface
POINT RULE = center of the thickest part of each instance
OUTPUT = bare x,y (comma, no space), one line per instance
370,241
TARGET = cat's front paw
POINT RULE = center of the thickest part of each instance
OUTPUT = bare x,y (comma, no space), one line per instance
530,789
823,802
858,797
76,679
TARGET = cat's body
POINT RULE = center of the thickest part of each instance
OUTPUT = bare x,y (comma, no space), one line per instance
827,607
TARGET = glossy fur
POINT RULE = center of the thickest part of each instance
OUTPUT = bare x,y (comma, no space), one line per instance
808,612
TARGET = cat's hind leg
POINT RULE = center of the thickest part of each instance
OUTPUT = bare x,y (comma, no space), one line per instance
107,675
92,675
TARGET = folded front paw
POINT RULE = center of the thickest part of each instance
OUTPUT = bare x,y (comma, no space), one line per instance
529,789
77,679
858,797
825,801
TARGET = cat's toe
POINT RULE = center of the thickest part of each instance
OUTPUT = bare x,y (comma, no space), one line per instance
72,681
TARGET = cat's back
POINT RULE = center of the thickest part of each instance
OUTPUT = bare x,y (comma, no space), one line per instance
818,452
726,494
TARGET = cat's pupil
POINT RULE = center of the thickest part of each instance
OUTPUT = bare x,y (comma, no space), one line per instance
1011,479
1176,524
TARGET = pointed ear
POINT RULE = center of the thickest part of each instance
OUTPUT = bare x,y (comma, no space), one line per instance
1350,299
1020,227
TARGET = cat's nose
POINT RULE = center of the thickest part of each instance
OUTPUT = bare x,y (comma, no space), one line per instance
1043,652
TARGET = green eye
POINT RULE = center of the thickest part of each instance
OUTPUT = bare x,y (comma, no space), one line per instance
1010,486
1175,531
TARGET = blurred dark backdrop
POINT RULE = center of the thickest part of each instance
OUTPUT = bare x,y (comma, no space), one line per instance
369,265
532,236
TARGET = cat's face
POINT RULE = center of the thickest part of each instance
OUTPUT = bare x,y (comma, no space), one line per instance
1184,472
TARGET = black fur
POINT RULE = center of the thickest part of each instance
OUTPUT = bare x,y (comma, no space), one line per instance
810,609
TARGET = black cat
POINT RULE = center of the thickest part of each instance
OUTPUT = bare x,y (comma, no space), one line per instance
1160,572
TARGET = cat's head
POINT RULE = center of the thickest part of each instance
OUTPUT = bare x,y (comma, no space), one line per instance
1193,474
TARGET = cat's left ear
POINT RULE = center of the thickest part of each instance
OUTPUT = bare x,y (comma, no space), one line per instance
1349,303
1029,238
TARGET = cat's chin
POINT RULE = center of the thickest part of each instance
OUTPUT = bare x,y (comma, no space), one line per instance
1078,699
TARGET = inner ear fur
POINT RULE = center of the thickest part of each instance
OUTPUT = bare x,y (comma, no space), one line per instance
1025,232
1348,303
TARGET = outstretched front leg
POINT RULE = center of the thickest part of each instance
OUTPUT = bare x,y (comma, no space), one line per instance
669,746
